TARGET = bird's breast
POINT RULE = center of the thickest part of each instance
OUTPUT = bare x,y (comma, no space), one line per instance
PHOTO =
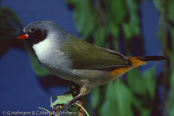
52,58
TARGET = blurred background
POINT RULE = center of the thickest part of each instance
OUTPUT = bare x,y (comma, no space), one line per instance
132,27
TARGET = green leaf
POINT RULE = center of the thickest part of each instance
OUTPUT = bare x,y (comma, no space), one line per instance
131,27
132,7
104,111
136,82
127,31
171,81
171,95
99,37
85,16
8,27
13,16
116,11
141,110
107,108
124,98
118,101
144,86
83,10
171,29
170,8
62,99
114,29
159,34
158,4
149,80
90,26
95,97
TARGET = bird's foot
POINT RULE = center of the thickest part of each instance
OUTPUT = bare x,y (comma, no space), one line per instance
72,102
62,107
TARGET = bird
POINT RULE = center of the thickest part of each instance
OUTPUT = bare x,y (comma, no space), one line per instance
74,59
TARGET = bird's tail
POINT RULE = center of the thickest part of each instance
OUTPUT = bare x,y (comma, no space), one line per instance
151,58
136,62
141,60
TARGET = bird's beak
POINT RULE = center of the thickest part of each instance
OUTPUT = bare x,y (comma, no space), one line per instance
22,35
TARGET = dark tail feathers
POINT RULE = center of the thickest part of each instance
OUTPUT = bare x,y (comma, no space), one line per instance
151,58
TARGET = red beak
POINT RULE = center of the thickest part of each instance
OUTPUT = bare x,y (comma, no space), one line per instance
22,35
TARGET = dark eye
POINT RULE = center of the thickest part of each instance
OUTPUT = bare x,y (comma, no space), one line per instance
32,30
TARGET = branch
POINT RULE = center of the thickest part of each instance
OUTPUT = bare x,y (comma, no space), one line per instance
165,50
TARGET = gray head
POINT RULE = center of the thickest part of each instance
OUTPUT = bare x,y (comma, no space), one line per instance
41,30
47,38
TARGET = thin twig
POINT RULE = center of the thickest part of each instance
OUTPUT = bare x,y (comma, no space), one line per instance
165,49
80,110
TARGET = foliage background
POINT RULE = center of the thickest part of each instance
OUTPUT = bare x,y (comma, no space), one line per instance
118,25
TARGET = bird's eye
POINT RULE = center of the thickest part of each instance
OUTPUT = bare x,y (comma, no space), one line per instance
32,29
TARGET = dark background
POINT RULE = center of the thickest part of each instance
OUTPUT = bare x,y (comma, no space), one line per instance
20,88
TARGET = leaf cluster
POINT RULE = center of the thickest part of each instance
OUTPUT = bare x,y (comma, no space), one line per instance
106,23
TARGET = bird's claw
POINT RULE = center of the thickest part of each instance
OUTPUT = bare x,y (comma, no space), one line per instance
70,103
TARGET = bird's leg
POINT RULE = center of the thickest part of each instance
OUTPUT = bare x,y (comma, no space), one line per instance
83,91
72,101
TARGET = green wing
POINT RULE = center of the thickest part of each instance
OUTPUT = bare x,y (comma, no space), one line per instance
87,56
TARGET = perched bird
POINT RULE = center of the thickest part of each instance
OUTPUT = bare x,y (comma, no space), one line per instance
74,59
